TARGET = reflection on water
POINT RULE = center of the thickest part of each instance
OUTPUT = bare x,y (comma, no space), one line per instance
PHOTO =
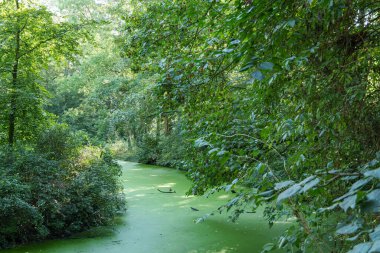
164,223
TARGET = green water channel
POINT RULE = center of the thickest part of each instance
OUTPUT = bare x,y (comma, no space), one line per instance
164,223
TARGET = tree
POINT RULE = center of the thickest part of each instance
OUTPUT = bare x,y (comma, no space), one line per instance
30,40
52,184
280,97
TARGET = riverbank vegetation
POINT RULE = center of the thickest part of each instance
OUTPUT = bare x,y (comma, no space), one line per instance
277,102
53,181
46,195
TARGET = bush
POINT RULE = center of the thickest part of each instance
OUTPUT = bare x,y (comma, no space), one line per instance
165,150
65,189
120,149
19,219
148,151
59,143
172,149
94,191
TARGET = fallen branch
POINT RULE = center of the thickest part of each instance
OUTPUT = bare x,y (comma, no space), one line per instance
170,191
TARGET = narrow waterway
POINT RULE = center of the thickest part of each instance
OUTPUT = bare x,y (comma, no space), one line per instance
158,222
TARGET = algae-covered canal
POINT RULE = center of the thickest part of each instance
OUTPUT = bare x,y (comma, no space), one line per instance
164,223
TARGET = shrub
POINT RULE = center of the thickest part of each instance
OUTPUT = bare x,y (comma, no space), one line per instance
59,143
94,191
56,189
147,150
172,149
120,149
19,219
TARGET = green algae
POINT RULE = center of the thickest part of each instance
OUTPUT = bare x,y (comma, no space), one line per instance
164,223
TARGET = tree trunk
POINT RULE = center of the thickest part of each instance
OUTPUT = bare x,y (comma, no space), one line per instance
158,127
13,102
168,127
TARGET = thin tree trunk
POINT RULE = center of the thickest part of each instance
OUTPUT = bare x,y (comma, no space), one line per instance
13,102
167,123
158,127
129,140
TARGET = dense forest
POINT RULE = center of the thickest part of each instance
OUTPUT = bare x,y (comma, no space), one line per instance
276,102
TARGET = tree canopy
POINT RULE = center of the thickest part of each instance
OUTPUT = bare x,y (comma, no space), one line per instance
30,40
281,97
53,182
276,102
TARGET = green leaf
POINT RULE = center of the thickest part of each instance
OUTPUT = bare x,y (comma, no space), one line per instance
310,185
290,192
344,196
268,247
228,187
266,66
360,183
258,75
375,247
177,78
221,152
329,208
373,173
281,185
349,228
282,242
228,50
349,202
291,23
266,193
306,180
361,248
213,151
246,67
355,237
235,42
199,143
375,235
373,201
372,163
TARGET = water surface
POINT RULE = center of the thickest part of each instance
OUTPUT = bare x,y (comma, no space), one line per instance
164,223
